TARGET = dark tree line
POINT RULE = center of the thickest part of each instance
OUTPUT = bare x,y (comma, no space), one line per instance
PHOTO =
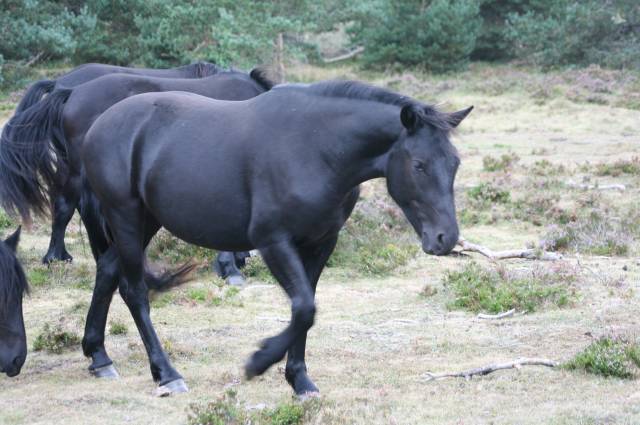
437,35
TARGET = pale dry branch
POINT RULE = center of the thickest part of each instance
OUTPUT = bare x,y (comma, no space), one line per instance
584,186
528,253
485,370
497,316
346,56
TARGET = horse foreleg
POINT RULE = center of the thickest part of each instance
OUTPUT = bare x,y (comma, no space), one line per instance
287,267
314,259
64,205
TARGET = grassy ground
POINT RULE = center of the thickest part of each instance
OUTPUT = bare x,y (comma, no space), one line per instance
376,335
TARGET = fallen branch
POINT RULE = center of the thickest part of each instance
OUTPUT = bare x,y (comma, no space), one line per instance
468,374
497,316
346,56
584,186
529,253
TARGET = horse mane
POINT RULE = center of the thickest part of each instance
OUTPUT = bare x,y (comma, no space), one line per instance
204,69
259,75
428,114
13,282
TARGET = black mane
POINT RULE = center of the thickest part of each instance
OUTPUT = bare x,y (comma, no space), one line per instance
429,114
13,283
204,69
259,75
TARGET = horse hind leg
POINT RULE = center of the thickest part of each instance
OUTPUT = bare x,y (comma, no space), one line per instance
131,229
64,205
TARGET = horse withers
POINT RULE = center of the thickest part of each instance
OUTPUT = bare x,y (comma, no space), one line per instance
278,173
13,286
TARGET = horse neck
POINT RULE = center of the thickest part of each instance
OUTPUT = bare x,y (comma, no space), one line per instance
365,133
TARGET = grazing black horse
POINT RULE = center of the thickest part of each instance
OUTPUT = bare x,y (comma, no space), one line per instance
30,178
91,71
278,173
13,286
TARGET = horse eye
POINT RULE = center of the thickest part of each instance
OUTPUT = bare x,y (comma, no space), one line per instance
420,166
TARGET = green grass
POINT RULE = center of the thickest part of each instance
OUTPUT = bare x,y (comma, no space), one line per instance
370,246
506,161
55,339
5,221
595,232
38,276
118,328
229,410
256,269
478,289
618,168
608,357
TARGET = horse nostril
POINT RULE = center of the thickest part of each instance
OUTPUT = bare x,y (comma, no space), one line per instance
440,238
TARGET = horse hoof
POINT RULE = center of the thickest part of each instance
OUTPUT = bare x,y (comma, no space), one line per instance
309,395
236,280
174,387
108,372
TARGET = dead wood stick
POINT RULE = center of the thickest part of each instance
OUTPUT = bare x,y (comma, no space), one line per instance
497,316
346,56
615,186
515,364
529,253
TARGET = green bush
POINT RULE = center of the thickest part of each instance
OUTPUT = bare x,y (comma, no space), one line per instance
595,233
438,35
364,248
55,339
118,328
486,193
506,161
609,357
478,289
578,33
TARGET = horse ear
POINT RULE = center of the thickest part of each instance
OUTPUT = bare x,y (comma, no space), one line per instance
408,117
12,241
455,118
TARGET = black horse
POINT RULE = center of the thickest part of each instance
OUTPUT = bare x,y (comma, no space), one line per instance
91,71
278,173
13,286
29,180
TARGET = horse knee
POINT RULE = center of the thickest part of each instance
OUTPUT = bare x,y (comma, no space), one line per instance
304,314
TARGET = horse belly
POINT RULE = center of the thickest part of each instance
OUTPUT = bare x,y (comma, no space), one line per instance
208,215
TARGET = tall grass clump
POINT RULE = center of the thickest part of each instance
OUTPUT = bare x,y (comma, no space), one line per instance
372,247
229,410
55,339
505,162
608,357
479,289
596,233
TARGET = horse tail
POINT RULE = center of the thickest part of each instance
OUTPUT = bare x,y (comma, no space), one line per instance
102,240
35,93
169,279
33,150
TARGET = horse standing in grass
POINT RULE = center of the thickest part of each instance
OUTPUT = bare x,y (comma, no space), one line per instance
91,71
13,286
30,181
278,173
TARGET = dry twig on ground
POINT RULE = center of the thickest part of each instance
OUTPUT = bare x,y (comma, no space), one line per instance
528,253
485,370
497,316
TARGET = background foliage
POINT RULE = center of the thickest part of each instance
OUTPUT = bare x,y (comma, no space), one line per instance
437,35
